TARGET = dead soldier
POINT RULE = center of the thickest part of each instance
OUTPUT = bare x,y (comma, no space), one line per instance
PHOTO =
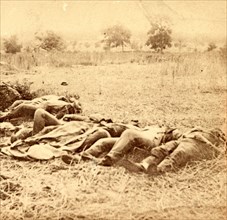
115,148
56,105
45,122
196,144
165,155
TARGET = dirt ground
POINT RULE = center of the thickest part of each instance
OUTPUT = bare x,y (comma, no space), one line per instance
152,94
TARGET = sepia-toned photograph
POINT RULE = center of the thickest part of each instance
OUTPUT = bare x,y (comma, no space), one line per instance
113,110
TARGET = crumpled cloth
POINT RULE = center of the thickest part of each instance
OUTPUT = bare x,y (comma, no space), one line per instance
45,146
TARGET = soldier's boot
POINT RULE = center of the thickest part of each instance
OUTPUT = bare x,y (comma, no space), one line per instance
150,165
158,154
166,165
106,161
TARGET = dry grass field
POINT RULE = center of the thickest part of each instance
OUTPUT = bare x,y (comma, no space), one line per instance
184,92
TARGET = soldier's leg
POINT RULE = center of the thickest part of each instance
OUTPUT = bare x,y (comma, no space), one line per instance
22,134
15,104
129,139
92,138
22,110
149,164
102,146
157,155
43,118
185,152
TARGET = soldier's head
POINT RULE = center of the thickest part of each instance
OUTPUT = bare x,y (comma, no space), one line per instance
217,132
77,106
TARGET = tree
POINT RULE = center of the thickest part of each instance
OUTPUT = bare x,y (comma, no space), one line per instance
50,40
159,36
11,45
116,36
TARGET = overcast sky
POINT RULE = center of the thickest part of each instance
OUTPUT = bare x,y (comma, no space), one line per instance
87,18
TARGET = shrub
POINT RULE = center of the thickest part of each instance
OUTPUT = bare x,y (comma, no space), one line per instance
50,41
11,45
8,95
24,89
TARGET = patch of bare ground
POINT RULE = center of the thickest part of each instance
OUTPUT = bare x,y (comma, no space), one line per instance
53,190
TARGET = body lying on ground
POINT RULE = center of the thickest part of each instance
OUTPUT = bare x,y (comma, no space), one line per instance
56,105
80,134
72,132
116,147
197,144
166,151
45,122
108,133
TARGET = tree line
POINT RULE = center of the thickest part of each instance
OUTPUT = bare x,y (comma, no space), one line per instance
159,37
